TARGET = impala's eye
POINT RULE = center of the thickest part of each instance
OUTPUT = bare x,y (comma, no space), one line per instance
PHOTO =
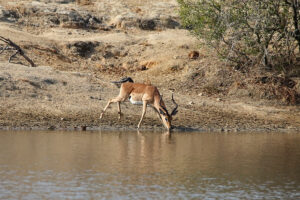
166,119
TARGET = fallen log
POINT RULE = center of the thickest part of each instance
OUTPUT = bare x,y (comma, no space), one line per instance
17,49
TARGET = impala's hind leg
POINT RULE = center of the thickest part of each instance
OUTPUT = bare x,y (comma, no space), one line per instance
119,109
114,100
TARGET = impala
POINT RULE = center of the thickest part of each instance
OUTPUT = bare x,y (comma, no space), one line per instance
145,94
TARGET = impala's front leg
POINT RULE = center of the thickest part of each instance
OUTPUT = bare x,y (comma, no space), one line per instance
158,115
103,111
143,114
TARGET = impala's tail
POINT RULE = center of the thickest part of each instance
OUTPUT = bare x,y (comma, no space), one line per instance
123,80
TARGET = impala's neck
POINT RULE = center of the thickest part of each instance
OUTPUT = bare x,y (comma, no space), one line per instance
160,106
163,113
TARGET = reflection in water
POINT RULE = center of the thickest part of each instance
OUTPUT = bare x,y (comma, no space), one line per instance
135,165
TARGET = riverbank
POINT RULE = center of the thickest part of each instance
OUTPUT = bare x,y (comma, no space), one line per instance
79,48
45,98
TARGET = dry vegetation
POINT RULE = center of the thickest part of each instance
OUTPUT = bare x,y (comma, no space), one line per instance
88,43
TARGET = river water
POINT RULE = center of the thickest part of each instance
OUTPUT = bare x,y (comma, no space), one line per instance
132,165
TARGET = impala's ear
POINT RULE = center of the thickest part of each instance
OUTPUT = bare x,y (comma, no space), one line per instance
161,112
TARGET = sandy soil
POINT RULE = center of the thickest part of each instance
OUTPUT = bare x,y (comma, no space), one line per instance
77,59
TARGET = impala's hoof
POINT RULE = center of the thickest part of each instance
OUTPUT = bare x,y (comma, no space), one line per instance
120,116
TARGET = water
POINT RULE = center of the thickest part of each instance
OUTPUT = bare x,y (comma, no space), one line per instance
131,165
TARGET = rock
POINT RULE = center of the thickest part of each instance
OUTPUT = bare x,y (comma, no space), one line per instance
236,130
193,55
94,57
94,22
54,20
169,23
48,97
147,24
184,46
137,10
51,128
75,16
148,64
64,1
77,19
117,21
82,48
1,13
125,66
123,22
50,81
116,53
8,15
175,68
73,20
191,103
108,54
143,68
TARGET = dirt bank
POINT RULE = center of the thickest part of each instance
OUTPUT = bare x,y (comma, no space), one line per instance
45,98
80,46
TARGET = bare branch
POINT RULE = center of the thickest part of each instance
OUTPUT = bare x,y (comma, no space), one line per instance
14,55
5,48
18,50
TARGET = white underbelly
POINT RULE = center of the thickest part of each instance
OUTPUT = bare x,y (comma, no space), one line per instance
135,102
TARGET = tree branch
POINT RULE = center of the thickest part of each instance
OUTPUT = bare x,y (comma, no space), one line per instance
18,50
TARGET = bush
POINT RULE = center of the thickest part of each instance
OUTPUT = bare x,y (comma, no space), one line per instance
247,32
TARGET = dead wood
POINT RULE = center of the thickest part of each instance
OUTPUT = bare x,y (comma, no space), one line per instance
17,49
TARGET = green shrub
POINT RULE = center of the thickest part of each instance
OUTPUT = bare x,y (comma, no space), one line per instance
247,32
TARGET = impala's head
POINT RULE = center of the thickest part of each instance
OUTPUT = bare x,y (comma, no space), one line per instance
165,116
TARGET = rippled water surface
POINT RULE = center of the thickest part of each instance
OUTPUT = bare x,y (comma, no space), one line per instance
131,165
